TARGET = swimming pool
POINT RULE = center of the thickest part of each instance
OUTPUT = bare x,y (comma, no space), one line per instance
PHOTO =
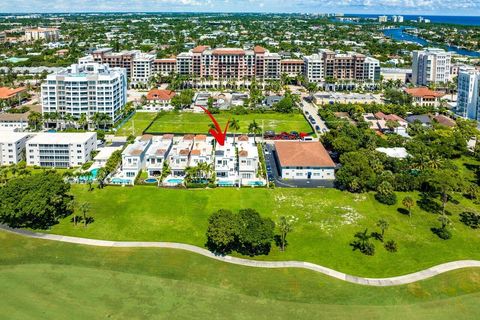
94,173
151,180
226,183
174,181
256,183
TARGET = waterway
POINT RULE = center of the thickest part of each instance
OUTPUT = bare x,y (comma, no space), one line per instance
399,34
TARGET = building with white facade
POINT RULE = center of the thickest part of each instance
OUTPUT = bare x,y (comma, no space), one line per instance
248,160
60,150
302,160
382,19
431,65
134,157
142,68
226,163
179,158
157,154
468,97
12,146
86,89
202,150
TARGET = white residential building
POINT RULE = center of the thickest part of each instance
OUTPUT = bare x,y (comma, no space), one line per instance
382,19
60,150
248,160
226,163
179,158
468,98
371,69
157,154
301,160
86,89
431,65
12,145
202,150
314,68
47,34
142,66
134,157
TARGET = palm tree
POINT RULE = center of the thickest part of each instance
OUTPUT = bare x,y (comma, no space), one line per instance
83,121
255,129
286,226
35,119
235,125
383,225
84,208
408,203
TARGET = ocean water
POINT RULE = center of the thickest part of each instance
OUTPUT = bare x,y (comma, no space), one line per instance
463,20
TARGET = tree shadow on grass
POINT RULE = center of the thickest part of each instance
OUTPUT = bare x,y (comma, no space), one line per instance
403,211
278,241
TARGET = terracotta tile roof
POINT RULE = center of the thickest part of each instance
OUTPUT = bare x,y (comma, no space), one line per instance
446,121
226,51
168,136
158,94
168,60
259,49
423,92
200,137
195,152
184,152
199,49
382,116
146,137
243,137
7,93
243,154
303,154
136,152
160,152
188,137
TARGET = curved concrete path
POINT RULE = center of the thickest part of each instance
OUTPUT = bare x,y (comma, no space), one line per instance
379,282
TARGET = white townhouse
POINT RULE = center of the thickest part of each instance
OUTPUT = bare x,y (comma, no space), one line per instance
179,158
226,163
12,145
304,160
202,150
60,150
86,89
134,156
157,154
248,160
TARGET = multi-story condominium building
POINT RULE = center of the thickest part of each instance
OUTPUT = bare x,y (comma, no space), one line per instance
229,63
86,89
157,154
431,65
468,98
60,150
248,159
134,156
12,145
165,67
226,163
142,67
332,65
179,158
202,150
382,19
47,34
3,37
292,67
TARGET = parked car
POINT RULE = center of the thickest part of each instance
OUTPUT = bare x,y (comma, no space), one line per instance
317,127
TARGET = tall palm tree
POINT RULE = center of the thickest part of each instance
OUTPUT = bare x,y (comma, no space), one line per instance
84,209
235,125
255,129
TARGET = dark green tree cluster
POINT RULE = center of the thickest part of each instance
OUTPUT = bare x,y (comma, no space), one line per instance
37,201
245,232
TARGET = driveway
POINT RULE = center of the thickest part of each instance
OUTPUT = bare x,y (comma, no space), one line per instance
270,161
309,109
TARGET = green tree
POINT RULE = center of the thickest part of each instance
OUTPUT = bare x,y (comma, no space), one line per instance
84,209
408,203
285,226
235,125
221,231
383,225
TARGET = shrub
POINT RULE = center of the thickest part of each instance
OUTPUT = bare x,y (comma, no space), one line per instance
442,233
388,199
391,246
470,219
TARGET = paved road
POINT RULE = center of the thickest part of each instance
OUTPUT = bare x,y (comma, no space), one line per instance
378,282
309,109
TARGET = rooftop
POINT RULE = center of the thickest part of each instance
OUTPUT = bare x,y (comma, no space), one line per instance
303,154
423,92
61,137
7,93
11,137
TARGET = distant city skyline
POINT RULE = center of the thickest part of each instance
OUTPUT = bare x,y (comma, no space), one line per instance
406,7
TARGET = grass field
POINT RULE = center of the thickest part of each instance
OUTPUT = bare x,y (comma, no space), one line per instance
137,124
49,280
175,122
327,221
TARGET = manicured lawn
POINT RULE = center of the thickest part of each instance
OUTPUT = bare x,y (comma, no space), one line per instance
137,124
49,280
327,221
175,122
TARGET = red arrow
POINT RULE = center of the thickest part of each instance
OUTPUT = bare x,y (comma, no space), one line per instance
217,134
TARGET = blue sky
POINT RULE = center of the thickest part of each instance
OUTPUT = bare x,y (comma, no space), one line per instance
425,7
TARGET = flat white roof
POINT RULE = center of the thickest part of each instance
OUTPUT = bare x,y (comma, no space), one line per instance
399,153
106,152
11,137
61,137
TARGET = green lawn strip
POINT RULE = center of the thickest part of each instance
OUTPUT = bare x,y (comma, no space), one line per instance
50,280
327,221
137,124
184,122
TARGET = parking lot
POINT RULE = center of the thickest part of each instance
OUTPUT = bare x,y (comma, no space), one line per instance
273,173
